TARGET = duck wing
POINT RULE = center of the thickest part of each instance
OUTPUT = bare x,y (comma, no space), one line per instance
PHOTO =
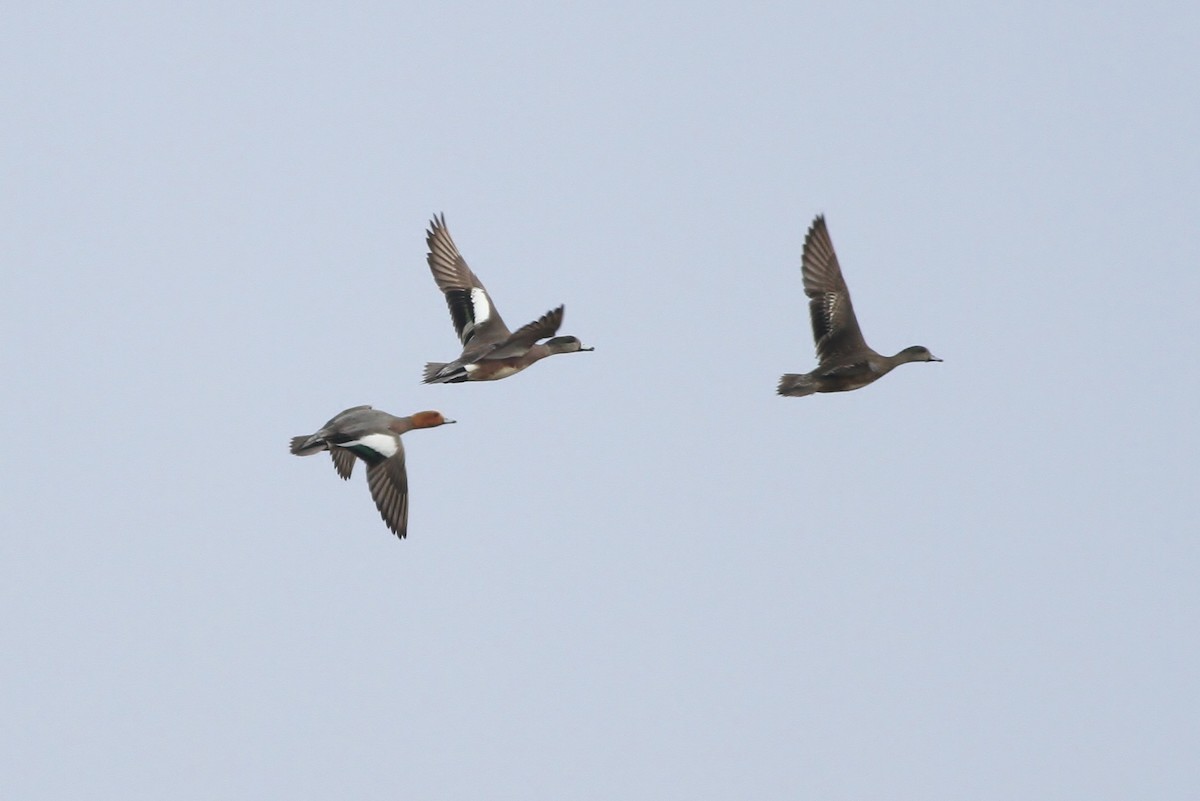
388,482
524,338
835,328
343,461
475,318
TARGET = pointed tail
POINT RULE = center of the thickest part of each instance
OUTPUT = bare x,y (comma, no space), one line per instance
796,385
306,446
443,373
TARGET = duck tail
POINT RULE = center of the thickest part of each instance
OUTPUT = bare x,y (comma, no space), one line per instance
796,385
431,372
443,373
306,446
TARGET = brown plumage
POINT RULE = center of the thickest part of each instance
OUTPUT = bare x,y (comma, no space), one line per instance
490,350
845,361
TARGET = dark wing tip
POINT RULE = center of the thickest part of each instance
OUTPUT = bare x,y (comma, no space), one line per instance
343,462
388,483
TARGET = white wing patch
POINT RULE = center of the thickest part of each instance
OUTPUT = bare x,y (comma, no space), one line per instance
383,444
481,307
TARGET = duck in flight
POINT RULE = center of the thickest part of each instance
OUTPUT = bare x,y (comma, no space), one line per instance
373,436
845,361
490,350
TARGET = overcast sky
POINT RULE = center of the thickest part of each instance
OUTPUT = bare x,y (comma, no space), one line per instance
635,573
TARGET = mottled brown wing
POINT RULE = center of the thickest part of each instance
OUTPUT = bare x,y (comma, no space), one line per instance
475,318
835,328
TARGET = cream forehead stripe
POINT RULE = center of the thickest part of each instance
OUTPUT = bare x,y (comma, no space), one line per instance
383,444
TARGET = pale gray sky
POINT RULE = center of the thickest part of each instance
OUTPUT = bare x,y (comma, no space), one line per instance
634,573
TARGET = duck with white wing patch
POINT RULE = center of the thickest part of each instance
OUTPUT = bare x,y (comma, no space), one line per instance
490,351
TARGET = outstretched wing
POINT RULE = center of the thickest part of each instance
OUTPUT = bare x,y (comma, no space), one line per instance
521,340
835,328
388,482
471,310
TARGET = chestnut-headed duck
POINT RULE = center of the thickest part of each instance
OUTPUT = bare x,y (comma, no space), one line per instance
845,361
373,436
490,350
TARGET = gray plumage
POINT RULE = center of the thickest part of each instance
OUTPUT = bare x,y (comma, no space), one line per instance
374,437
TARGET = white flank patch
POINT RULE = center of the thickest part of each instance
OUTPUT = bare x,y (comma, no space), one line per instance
481,308
470,368
383,444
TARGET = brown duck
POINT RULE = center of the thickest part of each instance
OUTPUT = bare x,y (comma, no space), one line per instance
845,361
490,351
